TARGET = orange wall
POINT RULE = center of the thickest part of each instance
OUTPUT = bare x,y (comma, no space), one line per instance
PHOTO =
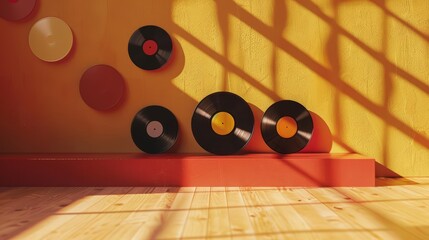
363,66
40,103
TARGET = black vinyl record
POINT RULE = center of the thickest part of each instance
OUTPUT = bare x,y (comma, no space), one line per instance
154,129
150,47
286,126
222,123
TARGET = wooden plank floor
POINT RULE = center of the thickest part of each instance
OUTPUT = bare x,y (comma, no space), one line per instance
395,209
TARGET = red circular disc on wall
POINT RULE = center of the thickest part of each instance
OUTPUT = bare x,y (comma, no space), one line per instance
15,10
102,87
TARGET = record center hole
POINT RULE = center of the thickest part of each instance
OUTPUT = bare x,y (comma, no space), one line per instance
286,127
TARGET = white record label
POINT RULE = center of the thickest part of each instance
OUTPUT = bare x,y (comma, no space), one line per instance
154,129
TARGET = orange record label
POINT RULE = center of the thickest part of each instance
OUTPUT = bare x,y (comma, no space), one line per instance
223,123
286,127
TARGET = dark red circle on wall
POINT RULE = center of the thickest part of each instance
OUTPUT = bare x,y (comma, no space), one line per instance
102,87
15,10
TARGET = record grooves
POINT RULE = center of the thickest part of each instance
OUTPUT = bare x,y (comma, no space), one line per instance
286,127
150,47
222,123
154,129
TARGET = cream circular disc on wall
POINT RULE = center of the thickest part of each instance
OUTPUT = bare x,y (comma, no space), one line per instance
50,39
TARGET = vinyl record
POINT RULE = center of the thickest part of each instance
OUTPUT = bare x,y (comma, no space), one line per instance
50,39
286,127
222,123
15,10
150,47
102,87
154,129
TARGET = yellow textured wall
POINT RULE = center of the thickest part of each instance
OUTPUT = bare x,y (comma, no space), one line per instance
363,66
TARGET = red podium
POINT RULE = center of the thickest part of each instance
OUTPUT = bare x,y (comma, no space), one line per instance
293,170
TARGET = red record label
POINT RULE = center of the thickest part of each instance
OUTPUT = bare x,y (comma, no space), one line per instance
150,47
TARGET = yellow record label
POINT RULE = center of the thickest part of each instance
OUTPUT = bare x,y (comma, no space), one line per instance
223,123
286,127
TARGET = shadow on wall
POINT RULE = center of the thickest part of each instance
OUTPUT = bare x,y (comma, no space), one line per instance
389,68
321,140
332,75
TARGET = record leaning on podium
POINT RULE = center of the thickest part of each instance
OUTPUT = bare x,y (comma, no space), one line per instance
150,47
222,123
154,129
286,126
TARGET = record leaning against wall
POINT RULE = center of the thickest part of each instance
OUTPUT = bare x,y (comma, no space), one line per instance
286,126
50,39
222,123
154,129
150,47
15,10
